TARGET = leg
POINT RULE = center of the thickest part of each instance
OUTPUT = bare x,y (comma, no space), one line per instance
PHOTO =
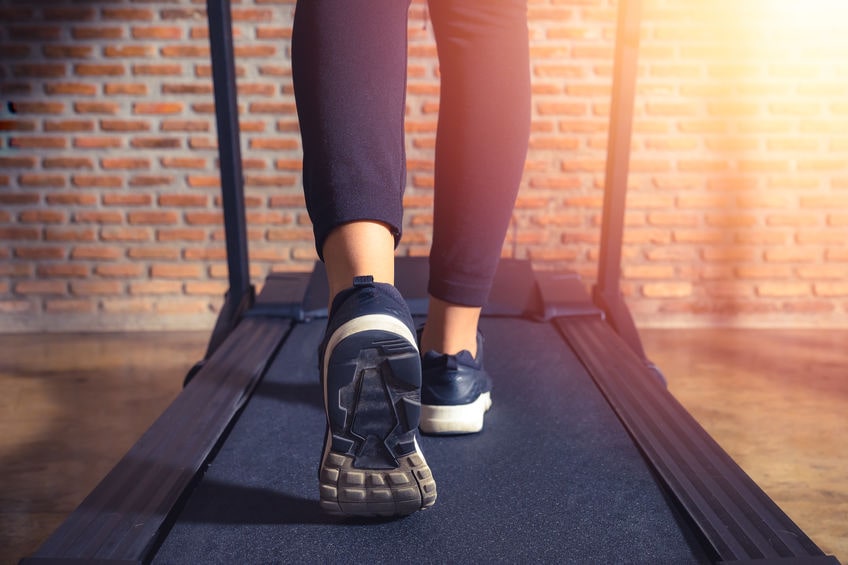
484,125
349,70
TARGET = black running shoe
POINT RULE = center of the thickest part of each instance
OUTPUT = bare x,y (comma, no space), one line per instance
456,392
371,373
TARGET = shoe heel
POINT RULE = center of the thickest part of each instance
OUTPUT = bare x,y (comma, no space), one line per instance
372,465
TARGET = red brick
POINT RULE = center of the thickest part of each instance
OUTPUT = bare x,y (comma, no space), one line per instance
205,253
204,218
99,107
15,306
175,271
183,200
41,180
96,288
169,33
66,305
783,289
67,163
41,217
67,51
152,217
155,143
150,180
127,14
182,14
209,288
105,32
62,270
41,287
69,234
16,233
66,126
38,142
123,125
119,270
99,70
157,69
184,125
153,252
255,51
197,181
831,289
101,143
252,14
180,234
17,198
155,287
22,162
119,89
187,89
39,253
273,32
17,125
96,181
110,163
96,252
157,108
98,217
15,269
115,233
792,255
185,51
128,51
184,162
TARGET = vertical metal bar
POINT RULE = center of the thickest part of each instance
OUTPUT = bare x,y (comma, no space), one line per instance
229,149
607,292
618,144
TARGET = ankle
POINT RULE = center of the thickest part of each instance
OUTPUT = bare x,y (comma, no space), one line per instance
357,249
450,328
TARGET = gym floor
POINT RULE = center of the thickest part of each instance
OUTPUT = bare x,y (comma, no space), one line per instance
72,404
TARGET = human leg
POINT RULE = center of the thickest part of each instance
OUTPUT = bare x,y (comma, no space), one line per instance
349,74
484,122
349,70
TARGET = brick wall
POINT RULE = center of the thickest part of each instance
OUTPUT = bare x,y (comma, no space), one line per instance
738,211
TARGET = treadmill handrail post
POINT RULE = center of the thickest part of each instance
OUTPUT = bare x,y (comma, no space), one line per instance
607,291
618,145
229,147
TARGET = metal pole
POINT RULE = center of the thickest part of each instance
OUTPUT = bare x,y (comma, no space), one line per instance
618,144
229,149
607,292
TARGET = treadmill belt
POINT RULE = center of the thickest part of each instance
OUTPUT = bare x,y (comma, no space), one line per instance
553,477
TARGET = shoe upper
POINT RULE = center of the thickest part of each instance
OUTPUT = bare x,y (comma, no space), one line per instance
365,297
451,380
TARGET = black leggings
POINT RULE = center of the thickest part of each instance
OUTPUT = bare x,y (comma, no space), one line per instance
349,71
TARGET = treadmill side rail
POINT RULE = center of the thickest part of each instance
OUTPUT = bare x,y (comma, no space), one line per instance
121,519
735,516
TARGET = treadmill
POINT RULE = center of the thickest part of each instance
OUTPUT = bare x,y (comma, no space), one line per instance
585,457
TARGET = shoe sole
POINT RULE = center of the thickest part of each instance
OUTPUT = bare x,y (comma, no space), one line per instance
372,465
459,419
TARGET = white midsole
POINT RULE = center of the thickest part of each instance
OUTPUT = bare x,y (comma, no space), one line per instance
463,418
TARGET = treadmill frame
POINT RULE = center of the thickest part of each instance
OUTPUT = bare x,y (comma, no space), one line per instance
124,517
